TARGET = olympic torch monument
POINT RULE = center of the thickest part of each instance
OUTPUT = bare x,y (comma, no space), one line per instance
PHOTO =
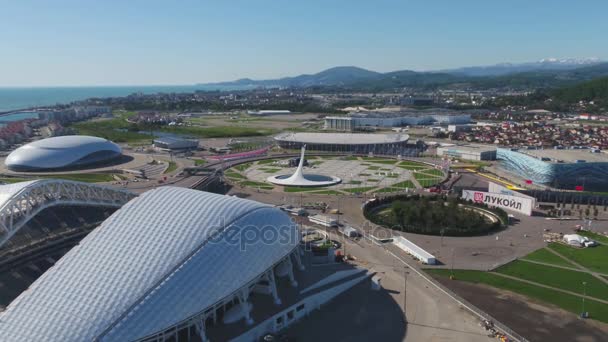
299,178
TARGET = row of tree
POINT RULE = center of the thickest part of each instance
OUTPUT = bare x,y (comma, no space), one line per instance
436,215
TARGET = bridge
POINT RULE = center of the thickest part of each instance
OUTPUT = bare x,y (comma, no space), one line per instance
19,202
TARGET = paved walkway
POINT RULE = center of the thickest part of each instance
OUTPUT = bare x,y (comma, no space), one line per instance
550,287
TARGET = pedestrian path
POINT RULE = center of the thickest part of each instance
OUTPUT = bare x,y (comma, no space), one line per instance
550,287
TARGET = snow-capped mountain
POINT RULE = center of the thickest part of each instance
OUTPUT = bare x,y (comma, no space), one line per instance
571,61
511,68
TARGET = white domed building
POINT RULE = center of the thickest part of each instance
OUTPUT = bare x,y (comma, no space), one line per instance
62,153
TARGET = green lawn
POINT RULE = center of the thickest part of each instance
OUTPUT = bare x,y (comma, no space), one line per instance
373,167
556,277
79,177
389,189
215,132
359,189
432,172
364,174
172,167
392,176
269,169
413,163
544,255
598,311
355,182
328,192
11,180
297,189
426,180
254,184
243,167
594,236
373,180
594,258
235,175
266,161
85,177
404,184
382,161
199,162
413,167
350,158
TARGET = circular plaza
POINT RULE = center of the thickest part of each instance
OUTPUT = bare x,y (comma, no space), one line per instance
358,175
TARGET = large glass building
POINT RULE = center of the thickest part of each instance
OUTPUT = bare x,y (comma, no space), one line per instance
558,168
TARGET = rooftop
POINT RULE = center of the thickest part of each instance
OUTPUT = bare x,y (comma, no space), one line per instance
469,148
342,138
568,156
153,255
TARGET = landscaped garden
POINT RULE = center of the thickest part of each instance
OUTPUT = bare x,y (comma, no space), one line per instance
434,215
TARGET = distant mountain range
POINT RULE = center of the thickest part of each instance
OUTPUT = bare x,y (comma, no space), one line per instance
546,73
511,68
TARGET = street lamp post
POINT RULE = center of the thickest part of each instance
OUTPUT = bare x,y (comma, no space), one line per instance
583,315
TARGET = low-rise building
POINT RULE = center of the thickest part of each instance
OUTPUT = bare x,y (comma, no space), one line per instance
468,152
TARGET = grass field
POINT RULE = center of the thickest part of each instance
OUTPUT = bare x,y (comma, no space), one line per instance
79,177
544,255
172,167
85,177
243,167
404,184
556,277
266,161
594,236
199,162
594,258
389,189
597,310
234,175
426,180
11,180
432,172
115,130
382,161
359,189
327,192
259,185
298,189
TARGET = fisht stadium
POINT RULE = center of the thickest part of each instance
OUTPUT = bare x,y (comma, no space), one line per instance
62,153
355,143
559,168
173,264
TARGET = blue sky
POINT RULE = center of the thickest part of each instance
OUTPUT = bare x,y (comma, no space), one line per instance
135,42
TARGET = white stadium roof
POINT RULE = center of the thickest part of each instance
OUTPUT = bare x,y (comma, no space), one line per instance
61,152
7,191
342,138
149,266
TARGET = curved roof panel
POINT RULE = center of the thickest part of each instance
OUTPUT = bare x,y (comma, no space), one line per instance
7,191
342,138
61,152
161,258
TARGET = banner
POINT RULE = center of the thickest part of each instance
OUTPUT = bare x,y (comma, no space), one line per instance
499,189
515,203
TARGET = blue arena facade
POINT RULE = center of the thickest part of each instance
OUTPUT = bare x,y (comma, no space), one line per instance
589,171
